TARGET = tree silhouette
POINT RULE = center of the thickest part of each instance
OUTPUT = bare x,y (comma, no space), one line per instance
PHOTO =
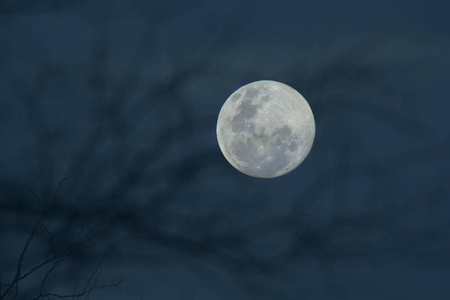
37,273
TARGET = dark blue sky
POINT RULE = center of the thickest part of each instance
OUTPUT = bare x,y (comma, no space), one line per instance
122,98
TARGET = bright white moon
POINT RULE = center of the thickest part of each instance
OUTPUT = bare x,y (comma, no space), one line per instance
265,129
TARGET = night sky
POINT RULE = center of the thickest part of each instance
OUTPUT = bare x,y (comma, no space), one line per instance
110,170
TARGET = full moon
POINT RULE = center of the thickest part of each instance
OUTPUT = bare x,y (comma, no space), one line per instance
265,129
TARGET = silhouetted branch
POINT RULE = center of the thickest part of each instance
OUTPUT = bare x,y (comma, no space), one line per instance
56,255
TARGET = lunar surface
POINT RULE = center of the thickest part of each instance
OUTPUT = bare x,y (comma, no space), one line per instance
265,129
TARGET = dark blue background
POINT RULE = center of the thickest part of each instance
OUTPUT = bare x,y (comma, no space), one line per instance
121,98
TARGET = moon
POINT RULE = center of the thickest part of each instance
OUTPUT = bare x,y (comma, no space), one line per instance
265,129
